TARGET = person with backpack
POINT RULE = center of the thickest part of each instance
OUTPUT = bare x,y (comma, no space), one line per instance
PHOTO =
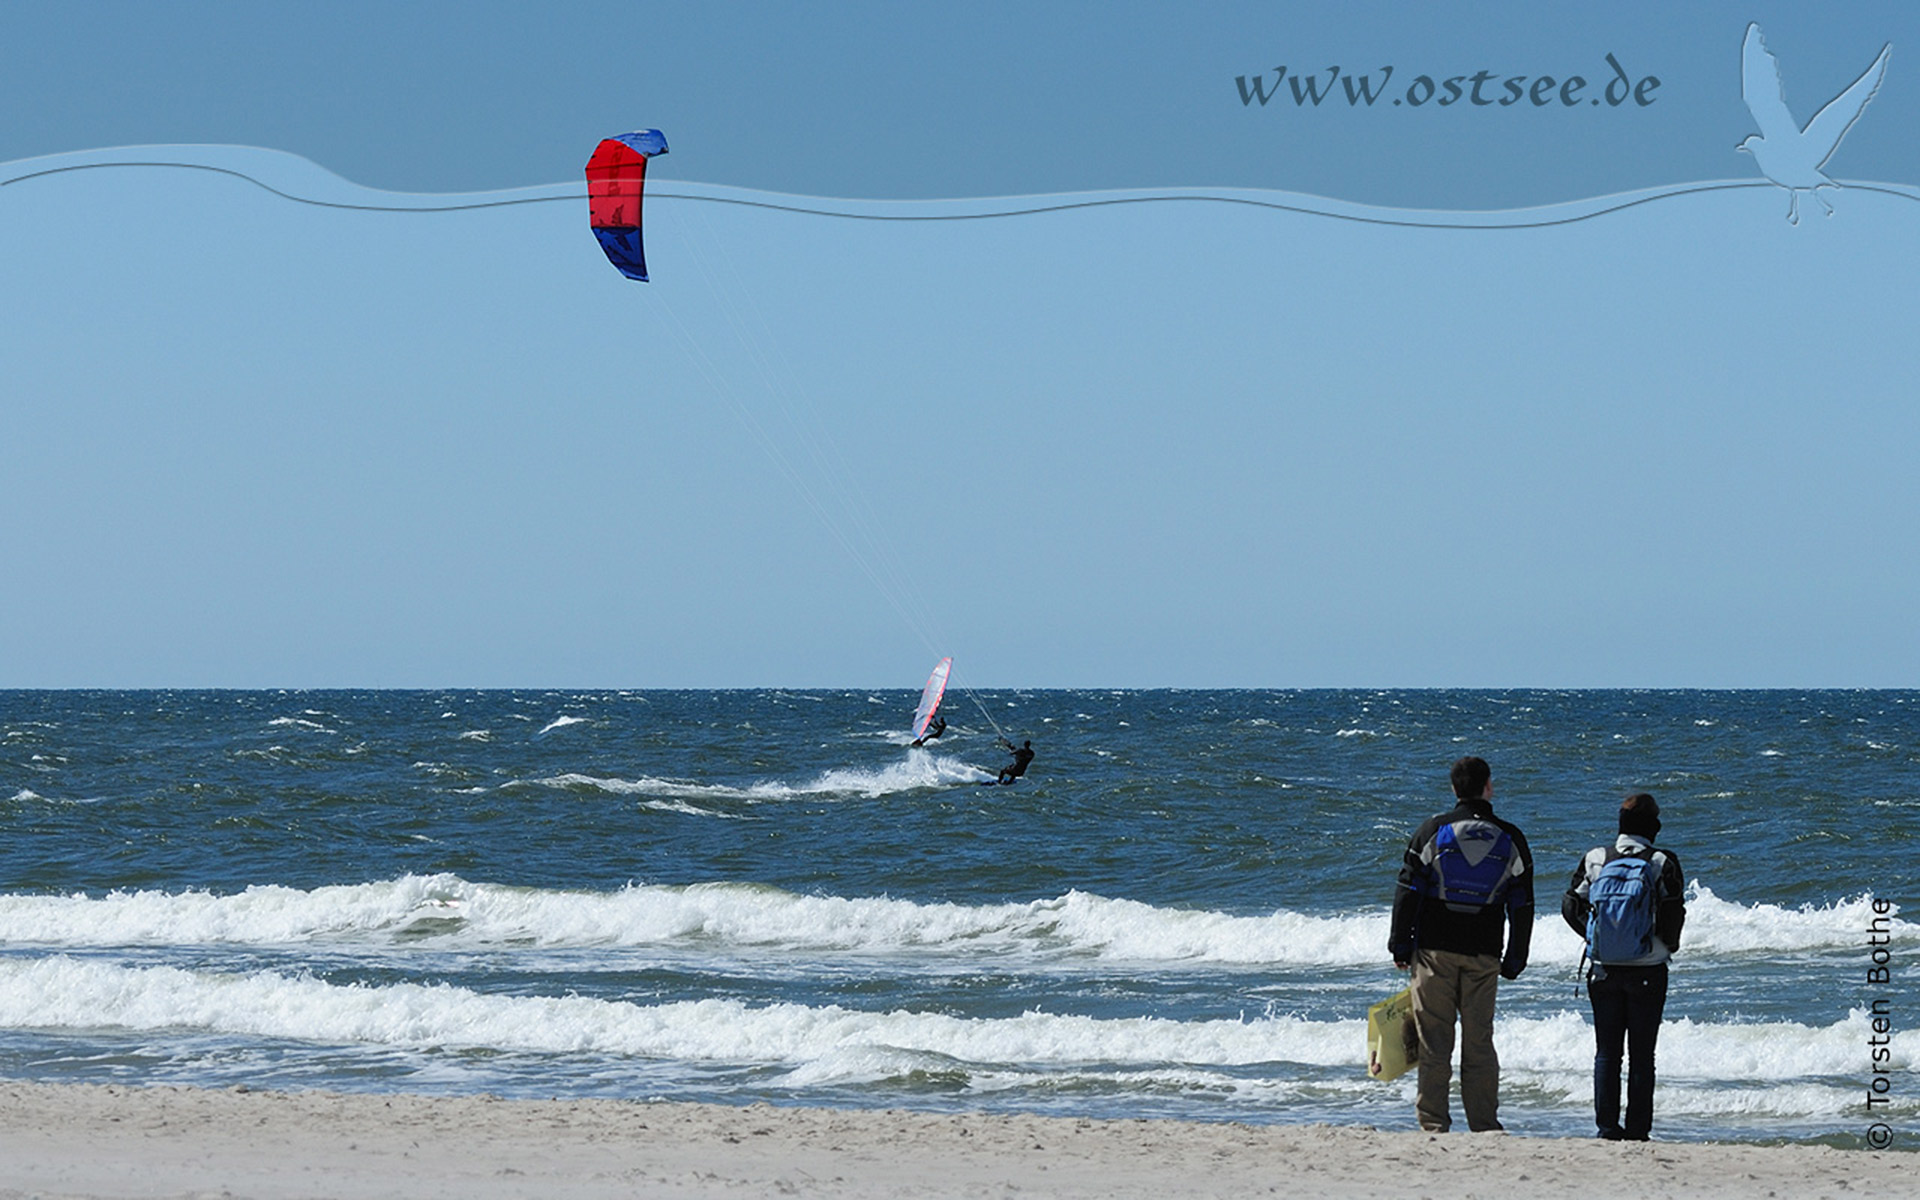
1466,882
1628,901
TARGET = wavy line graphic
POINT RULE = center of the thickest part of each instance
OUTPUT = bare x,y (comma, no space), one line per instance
301,181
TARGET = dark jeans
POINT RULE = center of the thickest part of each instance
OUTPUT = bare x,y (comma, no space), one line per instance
1627,1003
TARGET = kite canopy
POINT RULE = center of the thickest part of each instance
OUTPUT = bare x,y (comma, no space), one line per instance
930,697
616,179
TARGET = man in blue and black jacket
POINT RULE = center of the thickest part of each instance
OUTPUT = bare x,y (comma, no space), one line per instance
1466,885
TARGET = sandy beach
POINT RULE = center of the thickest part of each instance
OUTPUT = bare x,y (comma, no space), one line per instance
92,1141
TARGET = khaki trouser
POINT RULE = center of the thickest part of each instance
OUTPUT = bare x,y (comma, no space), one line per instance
1446,985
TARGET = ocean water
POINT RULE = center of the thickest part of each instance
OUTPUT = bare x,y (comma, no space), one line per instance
743,896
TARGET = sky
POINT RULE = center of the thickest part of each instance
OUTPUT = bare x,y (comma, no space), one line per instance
1286,407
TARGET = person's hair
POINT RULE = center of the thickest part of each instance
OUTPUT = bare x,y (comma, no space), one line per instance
1640,815
1470,776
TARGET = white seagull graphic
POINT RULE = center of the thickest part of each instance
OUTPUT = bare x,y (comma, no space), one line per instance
1787,154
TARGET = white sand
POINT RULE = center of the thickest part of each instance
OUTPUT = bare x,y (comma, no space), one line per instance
120,1142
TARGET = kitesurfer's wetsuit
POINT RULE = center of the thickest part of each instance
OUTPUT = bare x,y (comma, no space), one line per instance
1018,766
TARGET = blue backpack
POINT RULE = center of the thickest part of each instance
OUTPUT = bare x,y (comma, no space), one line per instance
1621,905
1473,864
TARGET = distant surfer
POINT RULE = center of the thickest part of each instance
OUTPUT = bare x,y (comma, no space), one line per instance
934,730
1018,767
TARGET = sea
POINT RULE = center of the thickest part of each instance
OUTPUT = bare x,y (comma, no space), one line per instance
772,896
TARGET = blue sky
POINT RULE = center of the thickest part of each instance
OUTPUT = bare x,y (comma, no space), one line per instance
1174,441
898,100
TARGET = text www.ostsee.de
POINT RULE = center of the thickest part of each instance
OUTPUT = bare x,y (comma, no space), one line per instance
1482,89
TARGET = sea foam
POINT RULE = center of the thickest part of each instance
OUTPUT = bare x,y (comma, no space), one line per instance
920,770
1075,926
1778,1068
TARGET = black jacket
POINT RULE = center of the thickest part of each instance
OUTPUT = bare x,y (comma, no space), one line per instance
1422,921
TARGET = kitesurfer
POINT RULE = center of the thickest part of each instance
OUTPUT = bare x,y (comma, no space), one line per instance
934,730
1018,767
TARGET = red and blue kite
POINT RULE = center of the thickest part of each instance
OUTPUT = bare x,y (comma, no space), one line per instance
616,177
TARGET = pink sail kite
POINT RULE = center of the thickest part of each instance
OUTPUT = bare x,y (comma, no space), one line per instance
930,697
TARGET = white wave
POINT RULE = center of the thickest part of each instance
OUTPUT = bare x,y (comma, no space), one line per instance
561,723
690,810
1724,927
1074,926
1716,926
650,786
1774,1100
1710,1050
1257,1090
267,915
297,723
1711,1099
29,796
919,771
66,993
1724,1067
726,913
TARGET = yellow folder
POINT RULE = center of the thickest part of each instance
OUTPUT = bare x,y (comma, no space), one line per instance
1392,1045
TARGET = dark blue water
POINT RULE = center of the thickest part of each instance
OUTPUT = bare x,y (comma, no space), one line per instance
756,895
